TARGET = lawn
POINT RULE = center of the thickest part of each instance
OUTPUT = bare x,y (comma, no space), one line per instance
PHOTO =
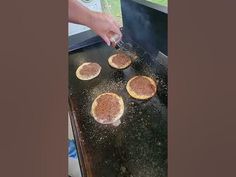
161,2
112,7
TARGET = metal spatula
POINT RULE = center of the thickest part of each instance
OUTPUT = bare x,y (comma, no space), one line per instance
120,45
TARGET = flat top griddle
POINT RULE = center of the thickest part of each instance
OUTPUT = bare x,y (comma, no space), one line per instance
138,146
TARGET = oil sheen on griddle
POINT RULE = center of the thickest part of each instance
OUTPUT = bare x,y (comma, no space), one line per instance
138,146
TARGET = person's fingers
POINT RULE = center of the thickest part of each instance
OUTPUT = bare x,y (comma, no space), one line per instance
106,39
110,17
116,30
117,24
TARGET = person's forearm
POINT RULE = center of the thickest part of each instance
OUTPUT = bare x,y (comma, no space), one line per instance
102,24
79,14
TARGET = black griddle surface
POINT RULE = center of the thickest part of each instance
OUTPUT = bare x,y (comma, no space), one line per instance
138,146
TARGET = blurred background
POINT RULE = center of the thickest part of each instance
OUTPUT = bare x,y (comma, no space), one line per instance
111,7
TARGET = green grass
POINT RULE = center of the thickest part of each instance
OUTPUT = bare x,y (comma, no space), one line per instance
161,2
113,8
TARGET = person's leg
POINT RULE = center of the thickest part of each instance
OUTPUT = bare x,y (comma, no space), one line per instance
73,162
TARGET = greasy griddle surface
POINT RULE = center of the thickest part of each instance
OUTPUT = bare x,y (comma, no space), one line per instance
138,146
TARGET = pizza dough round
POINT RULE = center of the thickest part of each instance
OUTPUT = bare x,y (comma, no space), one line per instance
141,87
108,108
88,71
119,61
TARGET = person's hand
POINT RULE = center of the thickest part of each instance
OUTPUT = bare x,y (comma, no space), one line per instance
104,25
